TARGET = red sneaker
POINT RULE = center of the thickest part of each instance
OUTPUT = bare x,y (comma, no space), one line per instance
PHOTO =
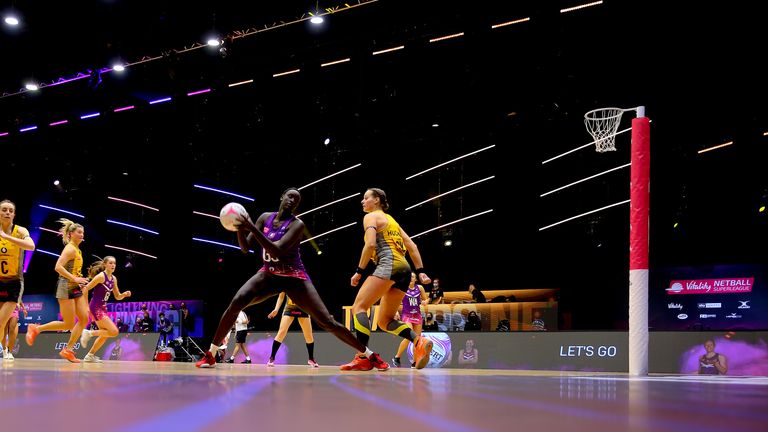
421,351
207,361
32,333
378,363
68,354
312,363
360,363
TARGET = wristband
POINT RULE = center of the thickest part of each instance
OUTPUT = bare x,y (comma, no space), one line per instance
419,271
359,271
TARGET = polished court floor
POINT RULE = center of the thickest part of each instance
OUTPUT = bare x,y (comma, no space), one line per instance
39,395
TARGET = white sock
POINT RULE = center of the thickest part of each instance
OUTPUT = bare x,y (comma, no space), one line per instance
368,352
247,357
213,348
232,358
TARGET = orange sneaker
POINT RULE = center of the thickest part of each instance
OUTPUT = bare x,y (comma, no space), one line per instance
208,361
32,333
360,363
68,354
421,351
378,363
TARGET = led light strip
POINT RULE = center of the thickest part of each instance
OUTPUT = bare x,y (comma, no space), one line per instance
584,214
326,205
131,251
328,232
451,223
451,191
327,177
451,161
584,179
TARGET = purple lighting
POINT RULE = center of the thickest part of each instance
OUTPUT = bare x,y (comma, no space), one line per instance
125,108
198,92
87,116
3,133
157,101
28,129
59,123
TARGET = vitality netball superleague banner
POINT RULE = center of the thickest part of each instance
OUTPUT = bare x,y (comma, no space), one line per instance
733,297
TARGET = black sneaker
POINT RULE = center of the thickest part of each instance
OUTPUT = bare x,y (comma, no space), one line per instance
396,362
229,360
246,361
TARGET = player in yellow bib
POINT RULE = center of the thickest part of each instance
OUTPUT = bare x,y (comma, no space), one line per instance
386,244
14,240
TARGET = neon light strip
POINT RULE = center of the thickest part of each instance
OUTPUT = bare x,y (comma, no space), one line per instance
327,177
28,129
3,133
455,35
132,226
63,211
218,243
389,50
87,116
326,205
224,192
584,214
584,179
715,147
125,108
451,161
134,203
570,9
131,251
510,23
59,123
335,62
328,232
285,73
240,83
157,101
198,92
451,223
579,148
49,230
205,214
451,191
46,252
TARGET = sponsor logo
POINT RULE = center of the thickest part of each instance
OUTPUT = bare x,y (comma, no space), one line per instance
707,316
675,306
710,305
711,286
733,315
682,316
744,305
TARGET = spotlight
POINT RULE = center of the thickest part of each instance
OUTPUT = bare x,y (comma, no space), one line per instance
213,42
118,68
319,252
448,242
11,20
56,182
316,20
761,209
31,86
327,141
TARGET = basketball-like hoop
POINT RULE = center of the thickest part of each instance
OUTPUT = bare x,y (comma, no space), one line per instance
602,124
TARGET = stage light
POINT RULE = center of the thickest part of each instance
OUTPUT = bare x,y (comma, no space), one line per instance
213,42
118,68
157,101
31,86
675,225
319,252
56,182
761,209
11,20
224,192
448,242
316,20
327,141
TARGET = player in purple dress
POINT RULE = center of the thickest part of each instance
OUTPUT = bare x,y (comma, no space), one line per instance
104,284
278,234
415,296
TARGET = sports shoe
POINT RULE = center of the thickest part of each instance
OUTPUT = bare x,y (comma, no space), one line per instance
246,361
68,354
8,355
413,365
229,360
271,363
85,337
421,351
396,362
312,363
90,358
207,361
32,333
378,363
360,363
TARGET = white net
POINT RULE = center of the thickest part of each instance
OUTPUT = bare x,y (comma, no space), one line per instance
602,124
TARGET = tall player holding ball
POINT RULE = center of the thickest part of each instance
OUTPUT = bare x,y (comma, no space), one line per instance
278,234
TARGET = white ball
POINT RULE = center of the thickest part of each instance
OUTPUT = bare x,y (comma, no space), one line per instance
229,215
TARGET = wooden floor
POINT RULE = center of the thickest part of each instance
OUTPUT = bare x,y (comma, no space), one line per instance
39,395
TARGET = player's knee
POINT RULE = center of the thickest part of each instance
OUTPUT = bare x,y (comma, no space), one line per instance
112,332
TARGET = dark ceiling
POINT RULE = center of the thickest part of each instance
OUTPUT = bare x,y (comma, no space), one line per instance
523,88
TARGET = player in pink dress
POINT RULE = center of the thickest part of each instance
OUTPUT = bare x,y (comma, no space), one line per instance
411,315
104,284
